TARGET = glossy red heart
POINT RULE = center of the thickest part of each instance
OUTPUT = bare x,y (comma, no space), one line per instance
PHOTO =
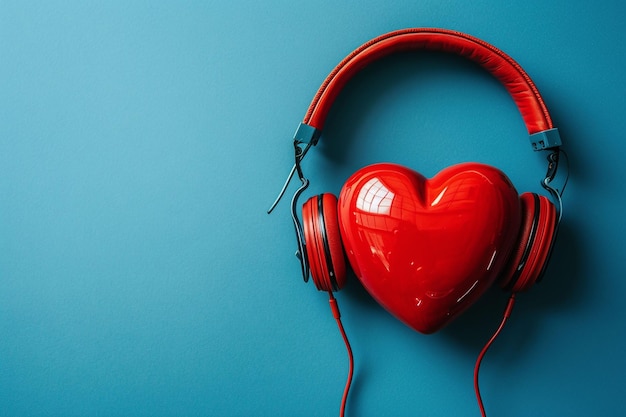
426,249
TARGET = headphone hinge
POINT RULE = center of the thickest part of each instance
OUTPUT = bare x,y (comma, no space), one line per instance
546,139
306,134
556,181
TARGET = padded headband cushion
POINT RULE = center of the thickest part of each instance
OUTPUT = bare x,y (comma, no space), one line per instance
499,64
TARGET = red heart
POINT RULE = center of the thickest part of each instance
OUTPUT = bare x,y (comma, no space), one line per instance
426,249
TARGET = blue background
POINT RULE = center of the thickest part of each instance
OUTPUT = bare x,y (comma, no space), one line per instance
142,142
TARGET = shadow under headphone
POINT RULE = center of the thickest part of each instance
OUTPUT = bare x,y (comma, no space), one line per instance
409,239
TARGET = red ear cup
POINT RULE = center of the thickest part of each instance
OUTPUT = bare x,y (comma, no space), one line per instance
528,260
323,242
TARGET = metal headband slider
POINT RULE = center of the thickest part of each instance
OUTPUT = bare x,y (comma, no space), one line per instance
306,134
546,139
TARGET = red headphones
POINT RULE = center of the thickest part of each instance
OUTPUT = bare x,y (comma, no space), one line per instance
426,249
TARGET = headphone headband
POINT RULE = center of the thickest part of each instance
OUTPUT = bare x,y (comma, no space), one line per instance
500,65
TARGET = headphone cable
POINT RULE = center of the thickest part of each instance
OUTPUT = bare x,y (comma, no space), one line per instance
507,314
335,309
337,315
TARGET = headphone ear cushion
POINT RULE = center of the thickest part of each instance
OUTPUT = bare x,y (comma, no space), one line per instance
529,259
324,247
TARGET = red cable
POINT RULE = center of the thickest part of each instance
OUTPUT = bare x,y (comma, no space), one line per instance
335,309
507,314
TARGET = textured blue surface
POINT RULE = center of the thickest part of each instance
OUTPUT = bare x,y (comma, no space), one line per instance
142,142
